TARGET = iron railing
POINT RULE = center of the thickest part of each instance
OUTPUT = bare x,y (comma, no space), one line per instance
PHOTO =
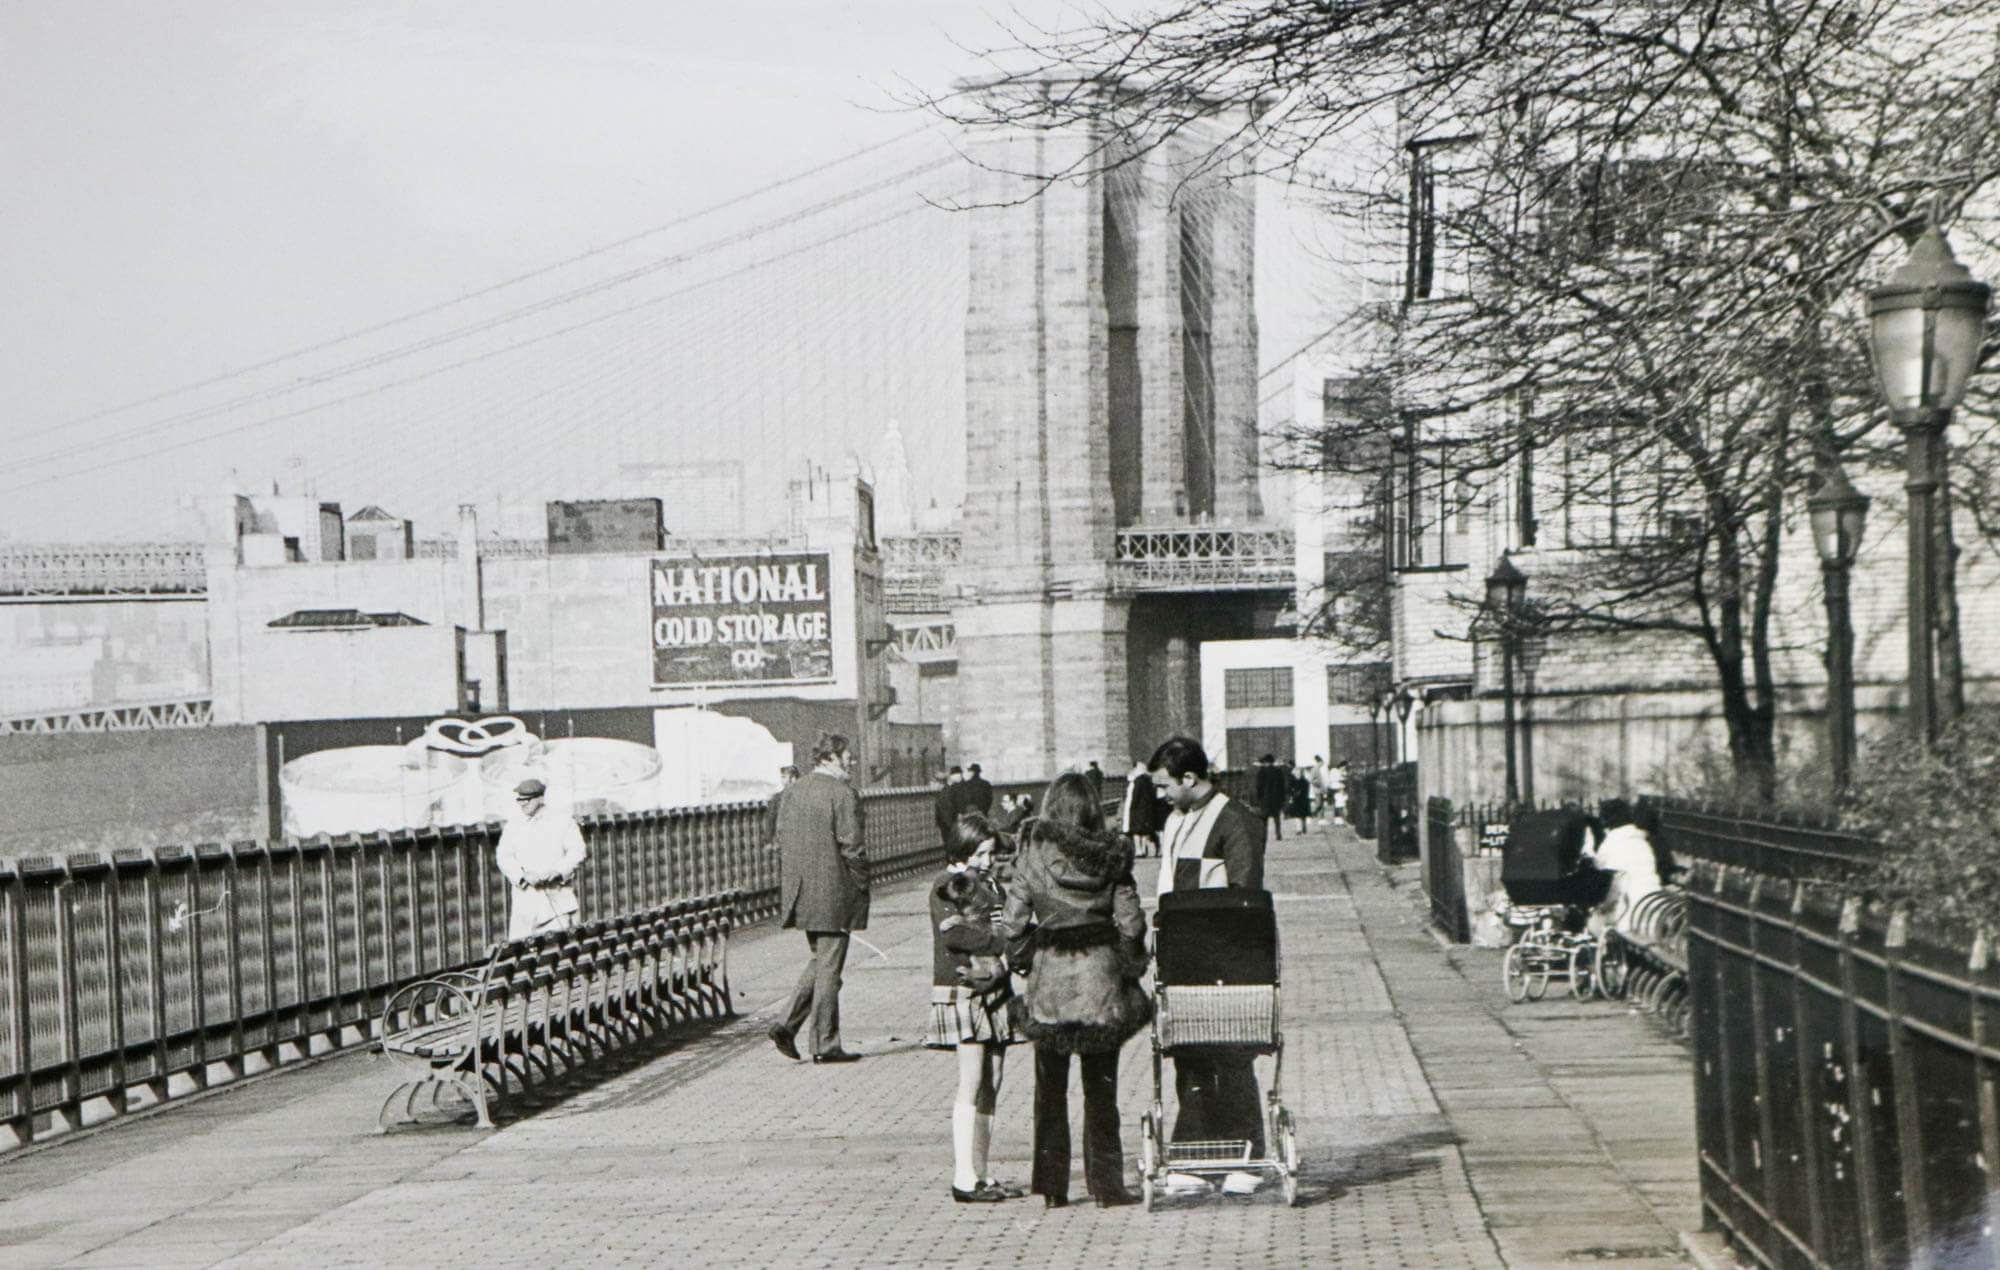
1444,872
111,568
915,570
1847,1059
1202,558
141,717
132,977
1795,847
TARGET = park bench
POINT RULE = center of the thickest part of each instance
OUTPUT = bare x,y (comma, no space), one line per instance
1653,939
545,1006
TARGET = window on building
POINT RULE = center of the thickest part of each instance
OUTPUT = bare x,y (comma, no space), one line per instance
1257,688
1438,264
1610,483
1431,517
1357,684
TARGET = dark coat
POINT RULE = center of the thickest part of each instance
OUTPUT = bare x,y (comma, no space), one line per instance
1144,810
1299,803
822,858
944,810
1073,909
1271,781
975,794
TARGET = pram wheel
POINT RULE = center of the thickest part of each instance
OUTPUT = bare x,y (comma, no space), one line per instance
1288,1156
1514,971
1611,966
1582,968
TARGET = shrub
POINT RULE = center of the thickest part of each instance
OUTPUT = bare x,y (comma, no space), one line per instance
1936,813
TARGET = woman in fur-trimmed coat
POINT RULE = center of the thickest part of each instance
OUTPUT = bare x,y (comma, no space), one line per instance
1073,923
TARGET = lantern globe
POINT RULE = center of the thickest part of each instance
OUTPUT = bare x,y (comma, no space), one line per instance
1506,586
1839,513
1927,323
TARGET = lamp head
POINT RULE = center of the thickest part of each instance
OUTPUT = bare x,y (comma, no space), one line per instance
1926,325
1839,512
1506,586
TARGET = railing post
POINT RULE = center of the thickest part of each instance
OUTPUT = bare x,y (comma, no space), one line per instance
1806,1064
1909,1119
1977,962
1859,1106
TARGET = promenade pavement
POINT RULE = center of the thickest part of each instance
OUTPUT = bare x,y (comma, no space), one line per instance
1438,1126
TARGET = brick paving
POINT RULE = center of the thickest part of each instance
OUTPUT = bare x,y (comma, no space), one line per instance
1438,1126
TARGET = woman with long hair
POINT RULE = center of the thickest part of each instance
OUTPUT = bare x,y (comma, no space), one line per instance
1073,924
969,992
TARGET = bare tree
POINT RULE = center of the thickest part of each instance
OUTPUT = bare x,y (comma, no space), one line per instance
1638,235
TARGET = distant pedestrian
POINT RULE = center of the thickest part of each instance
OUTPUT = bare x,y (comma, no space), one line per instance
823,891
786,775
970,988
1316,774
1270,791
975,794
1336,788
1141,813
539,853
945,808
1095,775
1299,798
1210,841
1073,918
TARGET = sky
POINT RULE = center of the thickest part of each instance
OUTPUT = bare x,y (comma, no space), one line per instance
200,187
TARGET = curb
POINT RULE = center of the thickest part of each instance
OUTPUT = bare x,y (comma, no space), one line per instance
1708,1250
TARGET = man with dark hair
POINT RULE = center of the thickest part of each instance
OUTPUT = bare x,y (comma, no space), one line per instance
822,890
1271,782
1209,841
975,794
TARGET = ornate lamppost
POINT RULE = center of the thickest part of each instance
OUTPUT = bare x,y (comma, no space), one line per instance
1506,588
1926,326
1839,512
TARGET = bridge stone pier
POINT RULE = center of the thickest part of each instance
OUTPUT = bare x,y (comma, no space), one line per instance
1111,421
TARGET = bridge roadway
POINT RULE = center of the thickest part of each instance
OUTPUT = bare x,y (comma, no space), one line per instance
1439,1126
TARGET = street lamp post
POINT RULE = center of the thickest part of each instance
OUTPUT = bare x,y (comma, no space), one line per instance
1926,326
1506,587
1839,512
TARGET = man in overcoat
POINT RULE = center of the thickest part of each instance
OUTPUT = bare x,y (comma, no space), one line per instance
823,891
975,794
1209,840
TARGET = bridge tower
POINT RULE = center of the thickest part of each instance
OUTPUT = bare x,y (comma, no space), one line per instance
1111,431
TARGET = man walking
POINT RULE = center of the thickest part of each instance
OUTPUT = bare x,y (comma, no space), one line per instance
945,809
539,853
1270,792
975,794
823,890
1210,841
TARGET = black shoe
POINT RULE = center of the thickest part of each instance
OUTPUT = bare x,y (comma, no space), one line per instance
1116,1199
783,1040
985,1193
1055,1201
837,1056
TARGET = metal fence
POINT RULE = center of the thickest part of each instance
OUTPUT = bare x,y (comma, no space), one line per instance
1796,847
1444,871
1845,1059
137,976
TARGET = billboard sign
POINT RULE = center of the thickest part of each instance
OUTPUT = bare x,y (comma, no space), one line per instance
741,621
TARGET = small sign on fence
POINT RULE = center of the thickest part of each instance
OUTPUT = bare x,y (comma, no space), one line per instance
1492,838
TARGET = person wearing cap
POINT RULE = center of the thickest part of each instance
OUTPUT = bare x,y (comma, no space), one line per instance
539,853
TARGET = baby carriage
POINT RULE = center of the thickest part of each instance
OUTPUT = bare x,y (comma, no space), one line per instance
1216,989
1550,893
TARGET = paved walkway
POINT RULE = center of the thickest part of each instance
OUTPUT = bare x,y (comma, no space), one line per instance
1439,1126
